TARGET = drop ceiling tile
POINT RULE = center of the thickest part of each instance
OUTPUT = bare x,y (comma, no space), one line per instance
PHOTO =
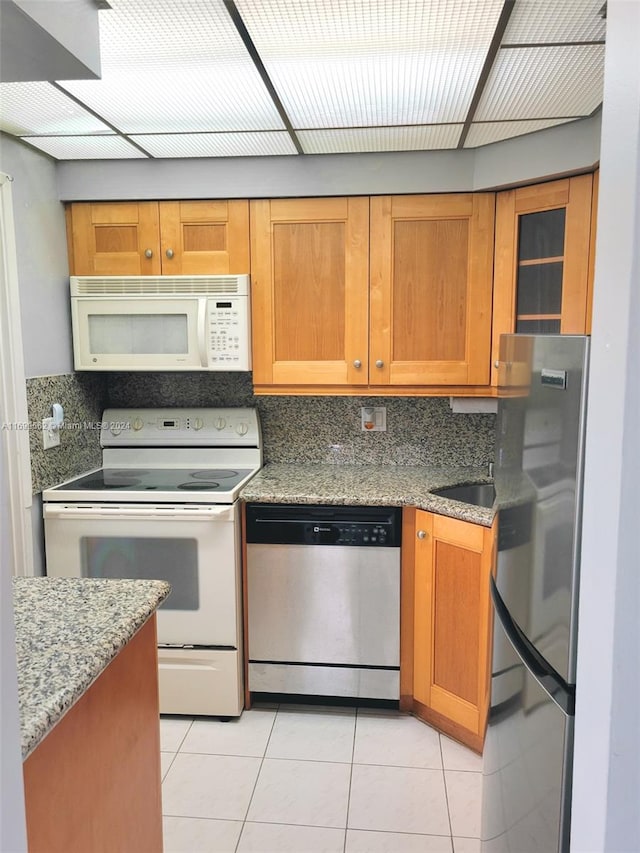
543,82
41,108
85,147
484,133
534,21
169,68
361,139
375,63
217,144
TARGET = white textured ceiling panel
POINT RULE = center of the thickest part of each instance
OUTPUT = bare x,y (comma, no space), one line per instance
373,62
41,108
543,82
175,67
484,133
86,147
534,21
362,139
217,144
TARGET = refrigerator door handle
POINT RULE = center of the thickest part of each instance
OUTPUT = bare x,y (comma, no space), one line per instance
563,694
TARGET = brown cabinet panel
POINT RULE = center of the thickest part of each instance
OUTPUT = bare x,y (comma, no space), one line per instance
310,291
204,237
543,246
431,282
160,238
452,624
115,239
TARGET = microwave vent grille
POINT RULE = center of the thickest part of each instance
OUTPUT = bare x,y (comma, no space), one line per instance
159,285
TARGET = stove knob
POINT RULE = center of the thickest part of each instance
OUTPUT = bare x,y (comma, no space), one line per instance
220,423
198,423
115,430
137,424
242,428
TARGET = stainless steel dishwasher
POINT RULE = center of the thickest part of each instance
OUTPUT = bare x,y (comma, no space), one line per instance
323,589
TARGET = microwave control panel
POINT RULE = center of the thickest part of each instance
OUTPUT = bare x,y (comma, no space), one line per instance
229,333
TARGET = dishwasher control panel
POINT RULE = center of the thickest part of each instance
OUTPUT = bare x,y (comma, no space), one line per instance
359,533
289,524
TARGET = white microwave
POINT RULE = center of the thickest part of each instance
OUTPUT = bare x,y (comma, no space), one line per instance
186,322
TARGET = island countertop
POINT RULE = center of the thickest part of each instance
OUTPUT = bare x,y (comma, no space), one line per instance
67,631
368,485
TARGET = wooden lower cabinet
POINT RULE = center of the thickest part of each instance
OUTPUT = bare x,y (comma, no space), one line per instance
93,784
448,662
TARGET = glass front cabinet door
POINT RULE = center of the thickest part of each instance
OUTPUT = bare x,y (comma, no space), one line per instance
542,268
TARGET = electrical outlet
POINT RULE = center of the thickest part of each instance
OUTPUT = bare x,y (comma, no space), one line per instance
374,418
50,435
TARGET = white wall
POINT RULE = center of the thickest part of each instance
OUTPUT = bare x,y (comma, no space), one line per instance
606,788
568,148
43,268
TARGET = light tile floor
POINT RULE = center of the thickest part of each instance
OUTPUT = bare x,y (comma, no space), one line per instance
305,779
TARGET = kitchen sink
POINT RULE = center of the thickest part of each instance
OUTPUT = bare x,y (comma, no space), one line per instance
478,494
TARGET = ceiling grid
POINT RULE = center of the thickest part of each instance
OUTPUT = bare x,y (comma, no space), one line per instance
253,78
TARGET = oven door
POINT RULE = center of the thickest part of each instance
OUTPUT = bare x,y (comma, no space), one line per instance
193,547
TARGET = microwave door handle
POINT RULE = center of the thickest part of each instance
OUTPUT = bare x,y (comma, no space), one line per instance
202,332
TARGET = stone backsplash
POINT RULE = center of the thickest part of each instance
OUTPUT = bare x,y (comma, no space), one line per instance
420,430
83,397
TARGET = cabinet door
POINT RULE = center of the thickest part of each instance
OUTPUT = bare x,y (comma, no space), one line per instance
452,624
431,286
543,239
310,291
204,237
119,238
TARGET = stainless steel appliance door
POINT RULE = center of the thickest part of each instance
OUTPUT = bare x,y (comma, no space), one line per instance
540,442
194,547
527,772
324,605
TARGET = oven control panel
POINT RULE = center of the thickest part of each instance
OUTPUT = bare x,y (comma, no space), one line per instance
229,427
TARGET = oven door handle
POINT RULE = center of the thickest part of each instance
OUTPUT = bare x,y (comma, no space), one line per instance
185,512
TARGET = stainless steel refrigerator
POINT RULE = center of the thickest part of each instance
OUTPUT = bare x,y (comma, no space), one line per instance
538,476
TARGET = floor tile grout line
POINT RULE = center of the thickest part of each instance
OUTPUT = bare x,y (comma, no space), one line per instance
353,753
446,793
255,784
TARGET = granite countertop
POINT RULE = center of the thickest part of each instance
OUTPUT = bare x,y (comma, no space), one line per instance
67,631
372,485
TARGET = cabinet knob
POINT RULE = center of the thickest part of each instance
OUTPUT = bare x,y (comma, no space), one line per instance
148,253
379,363
496,364
169,253
357,363
421,534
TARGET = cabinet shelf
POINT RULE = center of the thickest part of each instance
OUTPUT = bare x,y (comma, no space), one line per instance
532,262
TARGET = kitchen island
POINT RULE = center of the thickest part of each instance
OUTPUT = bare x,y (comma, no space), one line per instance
88,696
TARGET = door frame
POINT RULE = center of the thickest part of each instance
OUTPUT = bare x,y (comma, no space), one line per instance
14,426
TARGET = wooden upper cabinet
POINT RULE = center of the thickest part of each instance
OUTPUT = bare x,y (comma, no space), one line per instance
204,237
542,260
120,238
453,624
431,289
309,262
159,238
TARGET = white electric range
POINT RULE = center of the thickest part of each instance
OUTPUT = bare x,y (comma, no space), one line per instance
164,505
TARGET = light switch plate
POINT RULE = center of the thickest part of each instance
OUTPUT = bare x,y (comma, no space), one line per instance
374,418
50,435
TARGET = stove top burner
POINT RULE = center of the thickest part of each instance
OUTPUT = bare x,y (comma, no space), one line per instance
106,482
214,473
127,473
198,486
